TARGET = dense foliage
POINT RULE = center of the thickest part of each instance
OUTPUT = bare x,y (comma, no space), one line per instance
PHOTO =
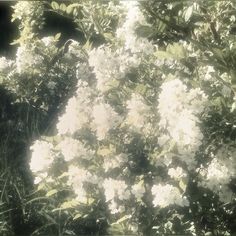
129,129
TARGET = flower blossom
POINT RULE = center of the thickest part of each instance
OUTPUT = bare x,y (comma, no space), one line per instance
78,111
165,195
72,148
104,119
179,110
42,156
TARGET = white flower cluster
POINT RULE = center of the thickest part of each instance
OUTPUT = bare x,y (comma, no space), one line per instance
72,148
219,173
115,189
138,190
110,66
48,41
138,113
127,32
5,64
113,161
165,195
78,177
176,173
104,119
179,110
29,13
78,111
27,59
41,159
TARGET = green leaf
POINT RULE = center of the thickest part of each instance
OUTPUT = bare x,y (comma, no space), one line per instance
144,31
163,55
69,9
122,219
69,204
51,192
188,13
141,89
63,7
90,201
57,36
55,5
77,216
176,50
183,185
104,151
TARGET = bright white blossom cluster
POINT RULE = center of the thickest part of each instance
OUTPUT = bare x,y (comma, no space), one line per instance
218,174
29,13
177,173
5,64
138,190
138,112
112,161
165,195
115,189
104,119
42,157
179,109
26,58
78,177
72,148
127,32
78,111
110,66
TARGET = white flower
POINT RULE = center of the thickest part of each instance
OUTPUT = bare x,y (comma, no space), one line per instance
138,190
176,173
48,41
179,110
137,112
105,66
42,156
219,173
104,119
77,178
115,208
127,32
4,63
163,139
114,161
27,59
78,111
115,188
27,11
72,148
165,195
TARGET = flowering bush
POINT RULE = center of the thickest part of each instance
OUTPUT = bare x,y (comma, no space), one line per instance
145,144
137,148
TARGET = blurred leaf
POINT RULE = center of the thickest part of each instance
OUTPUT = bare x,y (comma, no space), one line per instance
104,151
55,5
176,50
63,7
77,216
124,218
144,31
188,13
183,184
57,36
51,192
